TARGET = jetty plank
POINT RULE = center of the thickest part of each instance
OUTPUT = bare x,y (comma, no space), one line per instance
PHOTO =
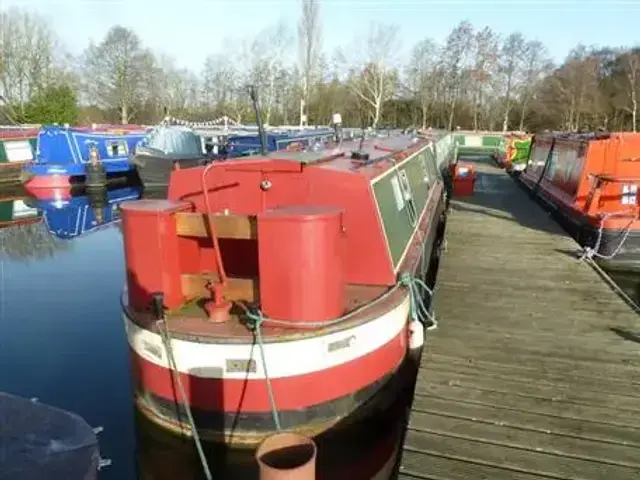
528,376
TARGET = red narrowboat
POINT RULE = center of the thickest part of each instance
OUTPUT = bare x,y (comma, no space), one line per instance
591,181
282,291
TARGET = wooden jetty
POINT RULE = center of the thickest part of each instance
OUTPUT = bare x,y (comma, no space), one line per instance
534,371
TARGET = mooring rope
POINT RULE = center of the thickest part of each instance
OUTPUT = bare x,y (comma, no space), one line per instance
591,252
166,339
418,311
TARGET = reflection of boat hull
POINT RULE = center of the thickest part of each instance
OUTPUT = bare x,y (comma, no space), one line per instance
70,213
15,210
155,171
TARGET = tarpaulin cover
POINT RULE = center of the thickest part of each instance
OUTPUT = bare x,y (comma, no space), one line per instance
40,442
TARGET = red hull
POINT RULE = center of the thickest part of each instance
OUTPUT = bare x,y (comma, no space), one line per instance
48,181
291,393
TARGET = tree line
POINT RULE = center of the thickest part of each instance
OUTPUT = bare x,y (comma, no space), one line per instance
474,79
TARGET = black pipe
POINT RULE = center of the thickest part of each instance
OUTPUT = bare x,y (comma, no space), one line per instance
253,93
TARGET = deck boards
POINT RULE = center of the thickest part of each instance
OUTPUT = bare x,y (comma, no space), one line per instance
526,378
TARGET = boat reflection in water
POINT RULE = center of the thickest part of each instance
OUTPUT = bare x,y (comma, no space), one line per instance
69,213
14,209
366,450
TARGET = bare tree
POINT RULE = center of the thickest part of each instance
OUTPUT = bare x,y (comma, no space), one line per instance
422,75
510,68
536,65
455,62
372,75
268,54
309,38
630,66
27,55
116,71
484,64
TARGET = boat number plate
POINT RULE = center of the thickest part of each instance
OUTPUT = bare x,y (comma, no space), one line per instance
340,344
241,366
154,350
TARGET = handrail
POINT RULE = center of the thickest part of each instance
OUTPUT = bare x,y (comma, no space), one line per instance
605,177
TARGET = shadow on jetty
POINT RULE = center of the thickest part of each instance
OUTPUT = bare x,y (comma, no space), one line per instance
495,195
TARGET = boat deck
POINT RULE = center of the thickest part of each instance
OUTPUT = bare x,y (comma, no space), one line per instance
534,371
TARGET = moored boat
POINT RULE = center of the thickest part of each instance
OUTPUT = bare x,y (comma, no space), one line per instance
17,148
282,291
167,147
591,181
65,154
517,153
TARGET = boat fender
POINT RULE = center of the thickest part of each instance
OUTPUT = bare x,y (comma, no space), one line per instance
416,335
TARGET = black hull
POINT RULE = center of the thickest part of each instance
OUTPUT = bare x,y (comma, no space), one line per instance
156,171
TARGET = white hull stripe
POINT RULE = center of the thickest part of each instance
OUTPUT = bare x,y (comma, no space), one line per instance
285,359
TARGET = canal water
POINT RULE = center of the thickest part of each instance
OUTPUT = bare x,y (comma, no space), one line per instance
63,342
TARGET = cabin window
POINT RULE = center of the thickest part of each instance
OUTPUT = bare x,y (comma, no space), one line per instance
429,161
629,194
117,148
553,165
407,194
18,151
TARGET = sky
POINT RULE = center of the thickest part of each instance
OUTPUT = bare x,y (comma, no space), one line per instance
189,30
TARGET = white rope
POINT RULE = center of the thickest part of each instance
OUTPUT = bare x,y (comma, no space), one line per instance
591,252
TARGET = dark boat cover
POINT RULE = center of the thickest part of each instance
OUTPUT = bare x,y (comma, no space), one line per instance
40,442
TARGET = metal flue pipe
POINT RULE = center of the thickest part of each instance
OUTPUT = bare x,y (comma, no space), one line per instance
287,456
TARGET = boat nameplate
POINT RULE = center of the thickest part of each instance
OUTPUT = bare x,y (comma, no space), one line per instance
154,350
340,344
233,365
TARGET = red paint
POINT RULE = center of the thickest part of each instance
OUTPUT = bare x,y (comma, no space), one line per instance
48,181
55,193
18,133
296,392
464,179
301,254
151,251
236,186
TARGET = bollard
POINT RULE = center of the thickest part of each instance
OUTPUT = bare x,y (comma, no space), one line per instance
287,456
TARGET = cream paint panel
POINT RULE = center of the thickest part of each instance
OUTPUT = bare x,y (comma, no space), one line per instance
284,359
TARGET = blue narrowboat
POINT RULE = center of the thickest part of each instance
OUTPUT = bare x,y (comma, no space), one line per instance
63,153
247,144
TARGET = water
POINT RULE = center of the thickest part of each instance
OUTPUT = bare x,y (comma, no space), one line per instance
62,338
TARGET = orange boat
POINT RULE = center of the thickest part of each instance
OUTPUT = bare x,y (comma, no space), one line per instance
591,180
